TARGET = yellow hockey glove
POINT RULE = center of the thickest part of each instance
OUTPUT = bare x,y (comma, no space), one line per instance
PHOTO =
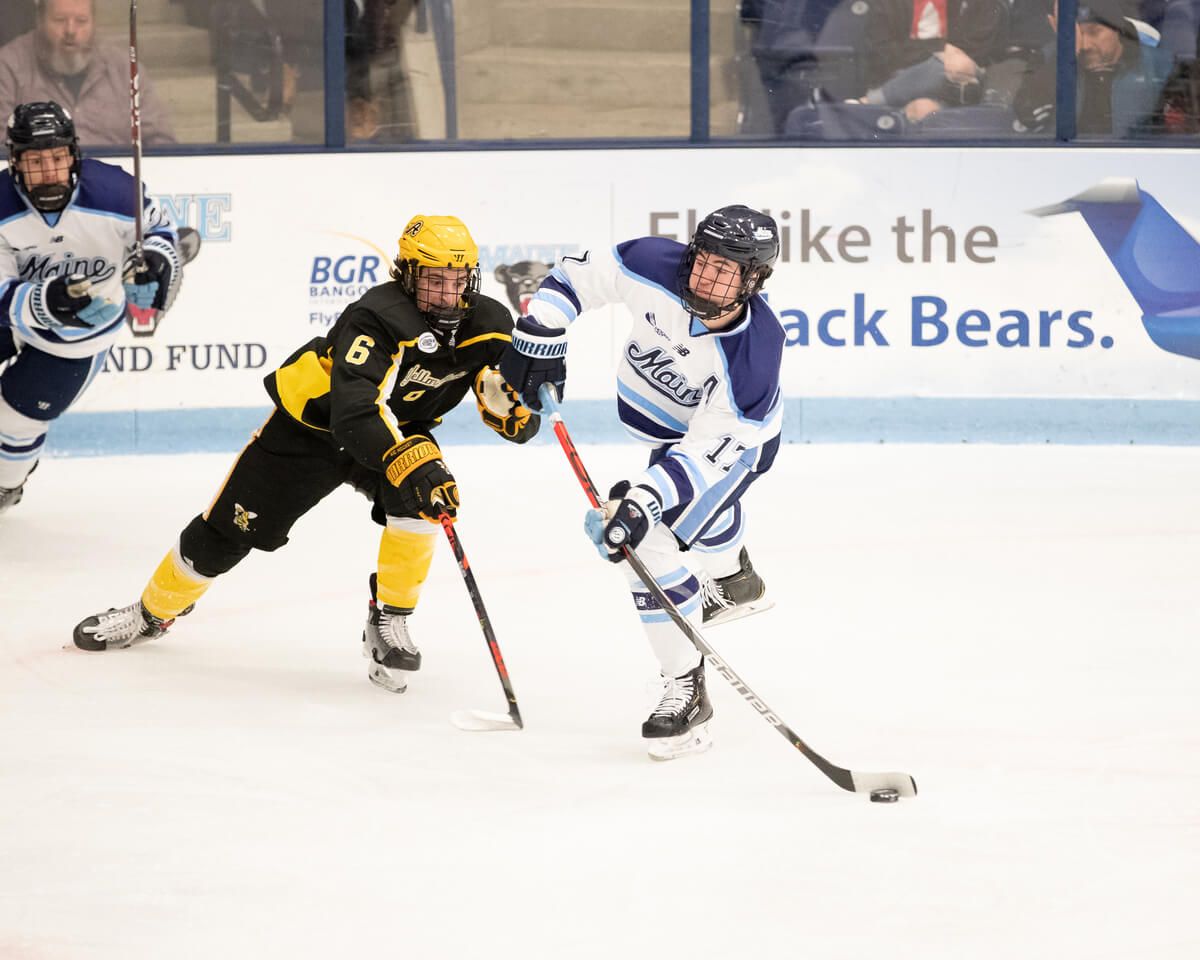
419,484
500,406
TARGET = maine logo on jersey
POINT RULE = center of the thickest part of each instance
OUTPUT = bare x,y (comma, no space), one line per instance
1154,255
341,273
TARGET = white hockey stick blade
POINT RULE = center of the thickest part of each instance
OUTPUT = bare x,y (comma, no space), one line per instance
481,721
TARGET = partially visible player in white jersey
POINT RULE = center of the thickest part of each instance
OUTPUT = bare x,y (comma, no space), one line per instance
66,277
699,382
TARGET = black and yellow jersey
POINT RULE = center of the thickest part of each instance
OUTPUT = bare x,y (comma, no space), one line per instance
380,374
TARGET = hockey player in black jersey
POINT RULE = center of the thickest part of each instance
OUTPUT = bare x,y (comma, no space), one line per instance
356,406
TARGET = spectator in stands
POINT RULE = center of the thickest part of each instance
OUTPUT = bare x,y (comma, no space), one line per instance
927,54
1179,111
61,60
1120,79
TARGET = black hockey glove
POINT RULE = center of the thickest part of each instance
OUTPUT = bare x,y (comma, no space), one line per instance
67,302
536,355
501,408
146,287
630,514
419,485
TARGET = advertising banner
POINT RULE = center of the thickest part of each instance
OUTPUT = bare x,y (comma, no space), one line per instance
938,273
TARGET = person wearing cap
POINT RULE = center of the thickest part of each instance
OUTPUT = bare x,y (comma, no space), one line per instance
1119,80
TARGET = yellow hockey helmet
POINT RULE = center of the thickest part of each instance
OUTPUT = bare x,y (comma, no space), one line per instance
432,252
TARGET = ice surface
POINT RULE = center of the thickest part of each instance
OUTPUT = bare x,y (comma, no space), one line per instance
1015,626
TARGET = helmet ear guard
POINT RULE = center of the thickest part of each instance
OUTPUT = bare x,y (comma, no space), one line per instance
438,243
42,125
746,236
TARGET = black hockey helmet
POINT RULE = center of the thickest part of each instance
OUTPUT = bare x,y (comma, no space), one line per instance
42,126
746,236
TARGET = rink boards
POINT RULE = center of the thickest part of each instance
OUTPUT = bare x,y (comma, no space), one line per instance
922,296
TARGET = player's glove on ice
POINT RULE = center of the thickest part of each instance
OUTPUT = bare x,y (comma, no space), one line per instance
67,302
419,485
630,514
536,355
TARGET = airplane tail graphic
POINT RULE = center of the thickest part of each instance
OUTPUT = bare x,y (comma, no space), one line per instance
1155,257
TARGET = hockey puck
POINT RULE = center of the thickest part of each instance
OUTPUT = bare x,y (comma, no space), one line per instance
885,795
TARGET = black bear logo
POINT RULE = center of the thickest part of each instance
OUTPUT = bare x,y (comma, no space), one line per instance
521,280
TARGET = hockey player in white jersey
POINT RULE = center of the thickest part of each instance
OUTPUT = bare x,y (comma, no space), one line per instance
66,237
698,381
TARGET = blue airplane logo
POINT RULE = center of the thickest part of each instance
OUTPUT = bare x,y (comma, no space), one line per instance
1155,257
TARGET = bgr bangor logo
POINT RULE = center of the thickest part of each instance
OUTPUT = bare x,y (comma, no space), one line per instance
1153,254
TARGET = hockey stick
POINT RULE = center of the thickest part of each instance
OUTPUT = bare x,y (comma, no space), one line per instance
901,783
135,129
143,321
479,720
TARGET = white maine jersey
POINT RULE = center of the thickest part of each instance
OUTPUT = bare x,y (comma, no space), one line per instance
708,400
93,236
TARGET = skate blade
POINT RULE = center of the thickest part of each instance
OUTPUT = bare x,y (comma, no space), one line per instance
381,678
696,740
482,721
737,613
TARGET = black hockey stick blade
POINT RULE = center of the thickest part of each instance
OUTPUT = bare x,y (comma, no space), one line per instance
478,720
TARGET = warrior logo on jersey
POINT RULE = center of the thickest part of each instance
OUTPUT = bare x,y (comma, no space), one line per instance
242,517
521,281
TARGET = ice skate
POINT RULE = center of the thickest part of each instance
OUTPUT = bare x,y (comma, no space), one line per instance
121,627
10,496
679,724
387,644
735,596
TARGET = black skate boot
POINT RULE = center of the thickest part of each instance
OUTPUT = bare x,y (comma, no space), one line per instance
388,646
10,496
120,628
679,724
737,595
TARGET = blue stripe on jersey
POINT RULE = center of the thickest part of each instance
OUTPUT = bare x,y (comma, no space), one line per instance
558,282
752,359
697,517
638,422
11,204
652,410
665,484
105,189
556,300
725,533
653,261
